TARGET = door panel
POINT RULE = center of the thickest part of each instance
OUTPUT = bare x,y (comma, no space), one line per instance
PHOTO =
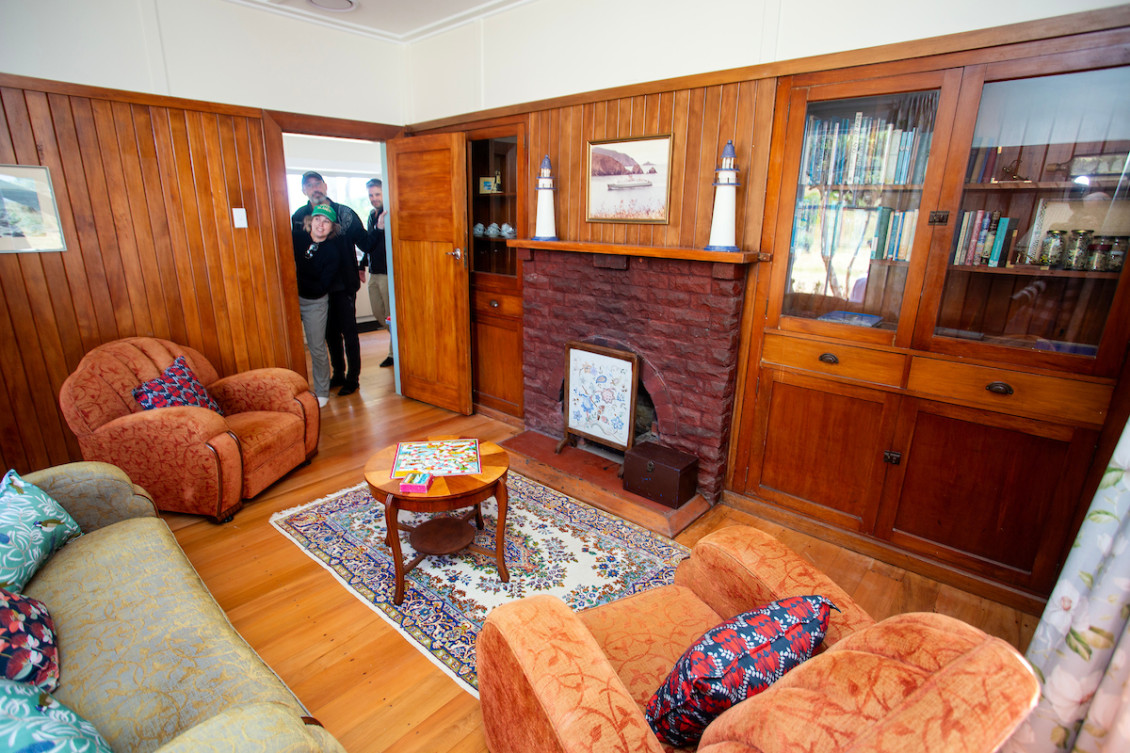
429,228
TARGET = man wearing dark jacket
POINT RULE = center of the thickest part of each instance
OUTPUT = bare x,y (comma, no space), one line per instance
377,263
342,341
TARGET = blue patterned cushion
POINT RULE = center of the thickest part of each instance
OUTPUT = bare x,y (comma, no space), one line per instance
28,652
734,661
177,385
32,527
31,721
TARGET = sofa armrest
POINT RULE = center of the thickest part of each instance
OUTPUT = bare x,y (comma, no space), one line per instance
545,685
261,727
94,494
269,389
740,568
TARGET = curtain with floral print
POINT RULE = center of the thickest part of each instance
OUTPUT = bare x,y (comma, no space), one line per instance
1081,648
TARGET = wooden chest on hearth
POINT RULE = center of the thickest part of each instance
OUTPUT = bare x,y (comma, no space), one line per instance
661,474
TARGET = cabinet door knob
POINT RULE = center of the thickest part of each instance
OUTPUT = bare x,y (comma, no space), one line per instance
457,253
999,388
494,304
829,358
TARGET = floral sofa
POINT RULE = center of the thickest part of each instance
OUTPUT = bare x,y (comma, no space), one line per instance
145,653
554,680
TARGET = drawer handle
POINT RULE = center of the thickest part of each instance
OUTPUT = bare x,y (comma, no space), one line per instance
999,388
494,304
829,358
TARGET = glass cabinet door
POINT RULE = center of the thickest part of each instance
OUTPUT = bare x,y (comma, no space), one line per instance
863,164
494,219
1040,239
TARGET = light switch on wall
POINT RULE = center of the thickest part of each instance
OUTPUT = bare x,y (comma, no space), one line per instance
239,217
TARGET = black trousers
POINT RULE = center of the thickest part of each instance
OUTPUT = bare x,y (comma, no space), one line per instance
341,336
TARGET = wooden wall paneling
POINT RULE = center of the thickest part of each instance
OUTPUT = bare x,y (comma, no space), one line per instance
714,119
137,220
651,105
690,167
680,110
258,253
194,250
166,282
85,271
239,282
29,302
168,127
221,152
278,210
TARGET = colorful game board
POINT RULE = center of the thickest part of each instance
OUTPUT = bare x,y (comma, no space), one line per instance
439,457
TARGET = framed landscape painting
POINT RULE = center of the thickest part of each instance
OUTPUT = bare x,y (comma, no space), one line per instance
600,394
629,180
29,220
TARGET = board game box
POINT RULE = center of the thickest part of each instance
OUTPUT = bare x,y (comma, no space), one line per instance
437,457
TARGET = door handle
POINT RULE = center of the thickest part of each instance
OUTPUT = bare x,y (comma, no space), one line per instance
457,253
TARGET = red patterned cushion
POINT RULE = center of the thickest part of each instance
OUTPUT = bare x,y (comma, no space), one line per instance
734,661
28,653
177,385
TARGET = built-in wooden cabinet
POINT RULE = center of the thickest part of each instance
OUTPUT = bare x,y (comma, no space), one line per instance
928,381
496,213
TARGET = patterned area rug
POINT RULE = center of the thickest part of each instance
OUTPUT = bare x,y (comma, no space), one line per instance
554,545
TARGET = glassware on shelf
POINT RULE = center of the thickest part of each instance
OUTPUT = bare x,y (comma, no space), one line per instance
1117,254
1099,253
1076,250
1051,249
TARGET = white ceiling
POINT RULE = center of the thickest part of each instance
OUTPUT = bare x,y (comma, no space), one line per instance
392,20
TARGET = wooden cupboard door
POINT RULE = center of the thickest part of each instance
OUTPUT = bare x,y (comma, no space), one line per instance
993,494
821,449
429,234
498,375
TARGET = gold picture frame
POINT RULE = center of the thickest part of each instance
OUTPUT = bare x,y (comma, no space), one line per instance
629,180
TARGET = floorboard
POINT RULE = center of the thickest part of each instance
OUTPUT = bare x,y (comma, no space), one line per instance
366,684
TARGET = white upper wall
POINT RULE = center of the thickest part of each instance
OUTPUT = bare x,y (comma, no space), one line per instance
207,50
220,51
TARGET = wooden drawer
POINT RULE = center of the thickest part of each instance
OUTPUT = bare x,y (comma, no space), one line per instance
489,302
1019,393
851,361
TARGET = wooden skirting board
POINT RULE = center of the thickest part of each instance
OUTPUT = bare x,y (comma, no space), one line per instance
592,479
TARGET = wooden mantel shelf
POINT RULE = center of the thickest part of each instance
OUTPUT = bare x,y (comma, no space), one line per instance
690,254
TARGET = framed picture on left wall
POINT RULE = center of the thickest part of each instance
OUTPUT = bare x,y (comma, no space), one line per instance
29,217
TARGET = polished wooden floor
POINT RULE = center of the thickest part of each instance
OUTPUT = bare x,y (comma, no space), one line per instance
364,682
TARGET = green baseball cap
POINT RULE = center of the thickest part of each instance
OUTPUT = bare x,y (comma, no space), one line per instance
326,210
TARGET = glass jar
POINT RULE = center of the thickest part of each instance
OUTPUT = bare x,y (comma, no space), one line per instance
1117,253
1051,250
1076,249
1098,253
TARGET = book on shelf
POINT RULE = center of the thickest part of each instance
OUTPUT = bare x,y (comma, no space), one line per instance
1036,233
980,224
882,227
985,242
990,165
851,317
962,238
906,242
999,237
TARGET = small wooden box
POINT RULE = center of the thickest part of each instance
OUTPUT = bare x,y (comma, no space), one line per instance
661,474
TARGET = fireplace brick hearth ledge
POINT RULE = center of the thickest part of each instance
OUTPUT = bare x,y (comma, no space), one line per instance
676,309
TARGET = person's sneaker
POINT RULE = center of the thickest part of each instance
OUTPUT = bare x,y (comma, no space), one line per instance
386,362
348,389
322,402
338,380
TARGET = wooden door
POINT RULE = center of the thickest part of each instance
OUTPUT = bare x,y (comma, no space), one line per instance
428,200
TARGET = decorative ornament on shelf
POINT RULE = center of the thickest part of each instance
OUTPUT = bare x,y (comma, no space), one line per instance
722,228
546,227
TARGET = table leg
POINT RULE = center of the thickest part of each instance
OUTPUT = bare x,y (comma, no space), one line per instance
479,517
500,530
394,544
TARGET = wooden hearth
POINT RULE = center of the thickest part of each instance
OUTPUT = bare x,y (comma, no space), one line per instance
593,479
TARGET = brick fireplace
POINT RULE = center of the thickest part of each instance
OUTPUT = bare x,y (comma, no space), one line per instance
680,316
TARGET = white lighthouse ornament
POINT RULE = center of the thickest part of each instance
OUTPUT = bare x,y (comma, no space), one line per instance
546,228
722,228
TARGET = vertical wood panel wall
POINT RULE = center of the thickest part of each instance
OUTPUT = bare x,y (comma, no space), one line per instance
145,190
700,120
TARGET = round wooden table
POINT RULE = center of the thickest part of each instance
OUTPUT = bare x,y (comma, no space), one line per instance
442,535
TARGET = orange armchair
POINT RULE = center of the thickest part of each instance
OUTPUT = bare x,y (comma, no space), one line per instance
554,680
190,459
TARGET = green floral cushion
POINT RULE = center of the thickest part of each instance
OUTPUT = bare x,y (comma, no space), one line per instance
32,721
32,527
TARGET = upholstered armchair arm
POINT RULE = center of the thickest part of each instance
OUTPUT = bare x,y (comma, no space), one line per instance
269,389
264,727
182,456
95,494
545,685
740,568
